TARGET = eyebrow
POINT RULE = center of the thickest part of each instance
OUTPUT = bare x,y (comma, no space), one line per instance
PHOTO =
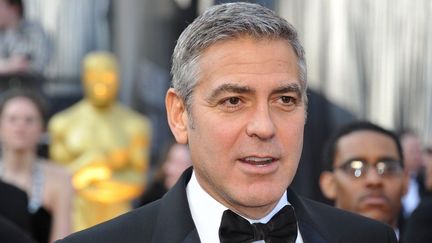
230,88
289,88
240,89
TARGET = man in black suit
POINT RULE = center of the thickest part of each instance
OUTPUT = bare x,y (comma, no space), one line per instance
238,100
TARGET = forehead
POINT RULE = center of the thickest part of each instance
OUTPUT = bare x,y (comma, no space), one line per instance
410,140
365,144
20,104
249,58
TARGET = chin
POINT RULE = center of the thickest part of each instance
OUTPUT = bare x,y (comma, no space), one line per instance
261,196
19,148
377,215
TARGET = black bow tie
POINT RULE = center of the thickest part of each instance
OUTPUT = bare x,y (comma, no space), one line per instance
282,228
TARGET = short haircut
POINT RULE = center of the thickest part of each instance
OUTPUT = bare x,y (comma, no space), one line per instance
227,22
331,145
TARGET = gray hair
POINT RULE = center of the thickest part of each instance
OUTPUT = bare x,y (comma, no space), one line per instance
225,22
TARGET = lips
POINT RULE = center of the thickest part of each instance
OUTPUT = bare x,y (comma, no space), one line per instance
375,200
258,161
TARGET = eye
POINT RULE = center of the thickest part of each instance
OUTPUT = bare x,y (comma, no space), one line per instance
233,101
30,120
287,99
287,102
11,119
390,167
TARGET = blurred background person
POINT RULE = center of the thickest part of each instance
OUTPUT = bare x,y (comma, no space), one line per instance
24,46
175,161
364,172
419,225
10,232
428,164
103,143
13,206
46,184
413,157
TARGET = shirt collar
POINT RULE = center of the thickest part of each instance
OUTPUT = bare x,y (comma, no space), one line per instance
207,212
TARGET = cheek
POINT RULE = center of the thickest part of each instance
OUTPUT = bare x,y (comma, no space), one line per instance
6,129
347,193
292,137
218,134
395,189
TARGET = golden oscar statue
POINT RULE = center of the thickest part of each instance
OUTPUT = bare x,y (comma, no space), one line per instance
104,144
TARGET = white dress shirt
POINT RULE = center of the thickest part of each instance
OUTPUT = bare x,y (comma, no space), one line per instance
412,198
207,212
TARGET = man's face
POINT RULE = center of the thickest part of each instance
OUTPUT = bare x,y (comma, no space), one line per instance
372,195
412,148
245,127
101,86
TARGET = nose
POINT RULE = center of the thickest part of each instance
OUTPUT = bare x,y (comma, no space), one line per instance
261,124
373,179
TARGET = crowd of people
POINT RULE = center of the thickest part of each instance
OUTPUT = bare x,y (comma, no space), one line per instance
237,109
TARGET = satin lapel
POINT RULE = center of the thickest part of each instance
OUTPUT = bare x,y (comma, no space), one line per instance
310,230
192,237
174,222
309,234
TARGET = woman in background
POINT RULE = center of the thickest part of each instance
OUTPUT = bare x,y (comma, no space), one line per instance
175,161
47,185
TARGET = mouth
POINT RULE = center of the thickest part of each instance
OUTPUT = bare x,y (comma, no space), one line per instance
259,165
375,200
258,161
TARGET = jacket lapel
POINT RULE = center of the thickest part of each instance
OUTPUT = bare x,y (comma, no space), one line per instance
192,237
310,230
174,222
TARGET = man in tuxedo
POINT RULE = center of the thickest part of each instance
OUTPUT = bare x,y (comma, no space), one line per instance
238,100
364,172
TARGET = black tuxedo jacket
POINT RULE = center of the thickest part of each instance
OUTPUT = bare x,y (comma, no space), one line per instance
169,220
419,225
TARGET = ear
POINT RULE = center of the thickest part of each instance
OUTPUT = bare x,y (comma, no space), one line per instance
406,181
328,185
177,116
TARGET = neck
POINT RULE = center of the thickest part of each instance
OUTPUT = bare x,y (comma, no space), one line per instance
249,212
254,213
17,161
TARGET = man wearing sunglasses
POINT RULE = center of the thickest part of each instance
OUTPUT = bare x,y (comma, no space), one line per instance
364,172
